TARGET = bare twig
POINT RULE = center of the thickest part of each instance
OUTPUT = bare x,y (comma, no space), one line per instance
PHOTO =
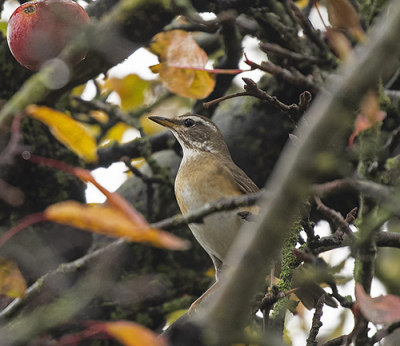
387,239
10,194
381,333
113,153
337,219
253,90
316,322
314,35
146,179
339,341
286,53
110,109
332,187
198,215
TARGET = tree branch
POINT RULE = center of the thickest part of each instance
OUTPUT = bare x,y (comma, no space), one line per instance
316,322
330,116
253,90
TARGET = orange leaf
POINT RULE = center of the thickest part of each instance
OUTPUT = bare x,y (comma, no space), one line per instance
109,221
369,115
379,310
132,334
114,199
177,48
342,14
67,130
12,283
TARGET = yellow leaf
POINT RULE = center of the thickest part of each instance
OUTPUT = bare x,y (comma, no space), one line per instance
156,68
67,130
138,162
131,89
3,28
301,4
173,316
109,221
116,132
12,283
78,90
132,334
100,116
149,127
210,272
342,14
176,50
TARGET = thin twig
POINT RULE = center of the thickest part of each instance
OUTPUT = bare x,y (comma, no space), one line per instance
198,215
314,35
336,218
286,53
337,341
316,322
253,90
381,333
110,109
145,178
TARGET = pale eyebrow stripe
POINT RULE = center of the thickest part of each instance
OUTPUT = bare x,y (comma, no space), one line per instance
211,126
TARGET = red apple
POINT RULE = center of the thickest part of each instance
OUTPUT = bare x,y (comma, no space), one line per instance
40,30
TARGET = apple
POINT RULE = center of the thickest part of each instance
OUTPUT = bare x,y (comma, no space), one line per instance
39,30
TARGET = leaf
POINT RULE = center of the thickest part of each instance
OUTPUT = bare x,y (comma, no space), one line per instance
100,116
114,199
379,310
3,28
369,115
132,334
177,48
116,132
67,130
131,89
301,4
173,316
109,221
340,44
342,14
12,283
78,90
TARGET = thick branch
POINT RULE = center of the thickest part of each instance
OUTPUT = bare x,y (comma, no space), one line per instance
330,116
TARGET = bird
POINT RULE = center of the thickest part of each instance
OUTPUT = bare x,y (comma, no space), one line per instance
207,174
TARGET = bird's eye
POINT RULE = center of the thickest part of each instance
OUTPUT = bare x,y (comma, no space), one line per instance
189,122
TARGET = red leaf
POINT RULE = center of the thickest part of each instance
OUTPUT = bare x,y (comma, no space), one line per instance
379,310
369,115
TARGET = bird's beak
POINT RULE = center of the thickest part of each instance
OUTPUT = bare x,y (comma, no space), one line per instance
166,122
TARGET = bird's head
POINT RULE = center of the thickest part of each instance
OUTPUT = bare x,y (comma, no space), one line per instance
195,133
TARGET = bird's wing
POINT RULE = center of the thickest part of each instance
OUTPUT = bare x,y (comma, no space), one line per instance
245,184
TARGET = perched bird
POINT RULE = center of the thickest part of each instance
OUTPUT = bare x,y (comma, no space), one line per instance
207,174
